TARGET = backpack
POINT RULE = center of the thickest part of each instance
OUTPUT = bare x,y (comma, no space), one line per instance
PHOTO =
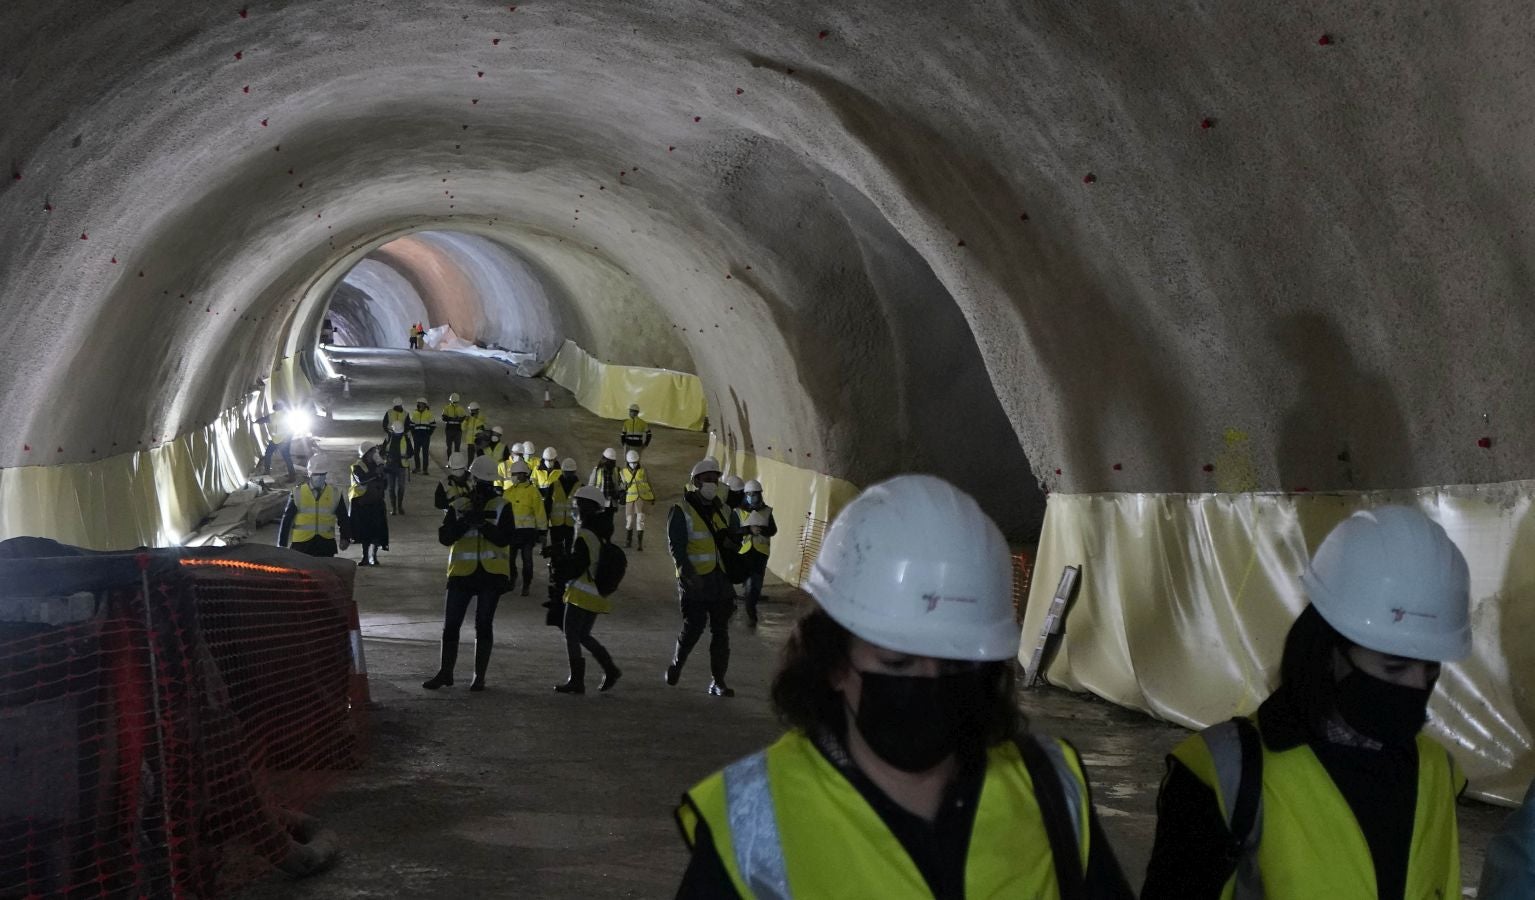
608,573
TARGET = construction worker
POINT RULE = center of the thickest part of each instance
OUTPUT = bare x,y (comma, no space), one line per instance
315,520
907,772
495,446
369,520
735,491
548,471
1332,789
605,478
562,531
1508,872
583,602
453,417
396,456
635,433
525,506
474,423
279,439
422,424
477,529
456,483
395,413
638,498
698,531
415,340
755,527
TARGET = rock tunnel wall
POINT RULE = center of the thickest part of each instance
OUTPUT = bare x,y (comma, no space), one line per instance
1079,240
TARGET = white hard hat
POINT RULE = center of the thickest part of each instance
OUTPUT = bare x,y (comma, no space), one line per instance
632,456
497,431
1389,579
483,468
569,464
753,487
591,494
420,400
319,465
944,590
704,466
457,461
528,449
398,401
397,427
518,467
634,407
473,404
734,482
453,397
364,447
551,454
610,453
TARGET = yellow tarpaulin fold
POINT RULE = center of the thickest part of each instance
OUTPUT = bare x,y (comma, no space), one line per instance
673,399
1185,601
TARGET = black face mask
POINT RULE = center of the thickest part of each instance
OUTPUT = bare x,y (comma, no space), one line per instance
1381,711
916,723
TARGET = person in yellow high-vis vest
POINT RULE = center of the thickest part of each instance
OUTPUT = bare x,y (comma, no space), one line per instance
756,528
562,534
529,521
474,423
395,414
639,496
1332,790
422,424
279,439
907,772
635,433
315,520
698,535
583,601
476,529
547,471
453,416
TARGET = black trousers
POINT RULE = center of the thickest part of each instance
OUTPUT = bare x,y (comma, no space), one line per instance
708,606
422,457
523,542
578,634
396,493
454,435
757,571
455,606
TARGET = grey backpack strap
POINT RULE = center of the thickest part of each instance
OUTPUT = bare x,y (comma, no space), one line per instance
1060,806
1237,751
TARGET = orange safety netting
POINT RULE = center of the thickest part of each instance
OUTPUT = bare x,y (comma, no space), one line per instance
163,720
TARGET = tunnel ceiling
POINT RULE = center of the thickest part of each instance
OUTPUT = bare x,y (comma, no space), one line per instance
1128,246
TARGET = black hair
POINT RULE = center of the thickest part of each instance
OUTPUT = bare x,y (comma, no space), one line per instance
818,646
1307,692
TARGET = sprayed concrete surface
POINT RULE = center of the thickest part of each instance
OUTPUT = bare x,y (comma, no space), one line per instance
519,792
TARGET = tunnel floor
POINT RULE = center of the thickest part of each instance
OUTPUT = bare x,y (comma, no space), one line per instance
520,792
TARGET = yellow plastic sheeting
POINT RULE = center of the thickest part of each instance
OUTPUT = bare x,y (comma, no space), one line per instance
674,399
795,494
149,498
1185,601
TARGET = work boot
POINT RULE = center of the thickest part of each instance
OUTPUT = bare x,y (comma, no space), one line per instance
481,663
525,586
576,683
673,672
610,673
751,614
629,538
444,676
640,535
717,688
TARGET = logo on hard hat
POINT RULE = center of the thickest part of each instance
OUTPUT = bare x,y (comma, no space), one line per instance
1398,614
932,600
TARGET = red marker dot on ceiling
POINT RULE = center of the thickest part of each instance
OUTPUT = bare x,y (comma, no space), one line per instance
1023,217
84,237
114,260
739,92
698,118
823,35
1118,467
474,101
479,74
670,149
27,447
1209,467
246,89
1057,471
1485,443
245,13
239,54
1324,40
1089,178
1207,124
961,244
263,123
141,273
495,42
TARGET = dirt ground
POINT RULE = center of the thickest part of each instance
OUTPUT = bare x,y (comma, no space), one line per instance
520,792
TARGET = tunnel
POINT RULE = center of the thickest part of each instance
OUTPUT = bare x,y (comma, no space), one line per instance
1169,290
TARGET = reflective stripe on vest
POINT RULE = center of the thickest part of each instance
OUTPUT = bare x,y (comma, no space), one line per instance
421,417
635,427
785,822
472,552
527,506
393,415
316,515
1310,844
559,505
638,484
583,591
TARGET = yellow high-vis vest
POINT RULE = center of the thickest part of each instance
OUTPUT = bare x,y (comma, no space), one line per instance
583,591
636,484
543,477
421,417
453,414
316,515
749,542
786,823
635,426
527,506
1309,843
474,551
393,415
472,425
703,552
559,505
